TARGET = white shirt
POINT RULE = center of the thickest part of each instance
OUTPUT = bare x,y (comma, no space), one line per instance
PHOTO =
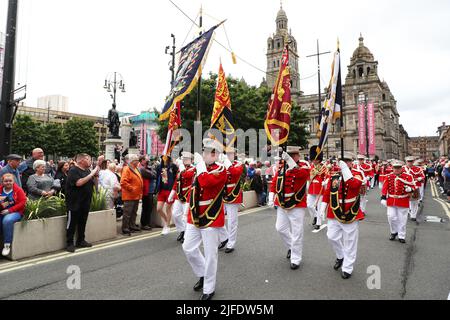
108,180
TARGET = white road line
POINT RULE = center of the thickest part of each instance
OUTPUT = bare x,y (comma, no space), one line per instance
12,266
321,228
444,205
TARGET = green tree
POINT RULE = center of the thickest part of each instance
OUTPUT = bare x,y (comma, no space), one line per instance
26,135
52,139
249,106
79,136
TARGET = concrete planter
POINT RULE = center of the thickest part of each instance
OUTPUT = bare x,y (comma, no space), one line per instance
35,237
250,200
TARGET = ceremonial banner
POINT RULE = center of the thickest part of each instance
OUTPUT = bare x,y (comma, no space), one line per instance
331,110
191,61
222,118
371,125
278,119
173,135
362,129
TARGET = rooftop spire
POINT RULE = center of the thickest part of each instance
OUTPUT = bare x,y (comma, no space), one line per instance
361,40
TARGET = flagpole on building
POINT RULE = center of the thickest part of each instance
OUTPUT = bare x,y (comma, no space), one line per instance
199,83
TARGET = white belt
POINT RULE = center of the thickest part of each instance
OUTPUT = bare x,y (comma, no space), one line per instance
289,194
184,189
399,197
231,185
205,203
350,200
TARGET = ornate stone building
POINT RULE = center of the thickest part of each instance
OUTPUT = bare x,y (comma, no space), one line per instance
426,148
362,85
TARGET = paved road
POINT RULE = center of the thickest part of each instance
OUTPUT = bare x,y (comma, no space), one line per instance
156,268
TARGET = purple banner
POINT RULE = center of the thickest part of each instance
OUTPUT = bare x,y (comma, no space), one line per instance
371,126
361,129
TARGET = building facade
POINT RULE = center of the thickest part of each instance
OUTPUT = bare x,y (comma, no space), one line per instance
426,148
444,140
48,115
362,87
54,102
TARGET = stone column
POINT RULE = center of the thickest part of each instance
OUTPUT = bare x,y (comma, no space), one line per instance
110,145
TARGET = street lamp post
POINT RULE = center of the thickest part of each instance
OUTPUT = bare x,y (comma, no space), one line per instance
172,67
112,83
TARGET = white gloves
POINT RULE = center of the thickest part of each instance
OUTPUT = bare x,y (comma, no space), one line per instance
227,163
182,167
222,157
408,189
171,196
200,164
271,199
384,203
197,158
290,162
346,172
419,179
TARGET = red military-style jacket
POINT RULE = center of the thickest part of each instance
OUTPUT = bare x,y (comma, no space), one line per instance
384,172
317,177
209,186
417,173
234,189
352,196
295,183
394,190
183,183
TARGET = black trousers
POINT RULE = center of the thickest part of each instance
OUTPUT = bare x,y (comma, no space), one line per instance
76,221
147,208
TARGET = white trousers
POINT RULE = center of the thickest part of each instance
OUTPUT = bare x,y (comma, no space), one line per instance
364,201
398,217
232,211
344,240
380,185
313,208
290,227
203,265
372,183
179,215
413,208
421,190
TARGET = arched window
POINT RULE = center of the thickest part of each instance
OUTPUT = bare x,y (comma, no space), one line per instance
278,44
360,72
368,70
384,97
354,74
274,64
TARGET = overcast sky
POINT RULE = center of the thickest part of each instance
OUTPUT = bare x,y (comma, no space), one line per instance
67,47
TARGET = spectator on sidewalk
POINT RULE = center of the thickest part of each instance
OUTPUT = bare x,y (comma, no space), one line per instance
257,185
148,175
26,167
132,187
79,189
13,161
446,174
61,175
110,183
12,206
41,184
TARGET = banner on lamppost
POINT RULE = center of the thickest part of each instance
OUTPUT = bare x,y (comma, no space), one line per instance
362,129
371,127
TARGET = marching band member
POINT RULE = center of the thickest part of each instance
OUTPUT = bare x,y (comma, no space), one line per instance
418,177
317,176
419,164
341,201
233,198
385,171
366,170
180,191
288,194
205,217
395,196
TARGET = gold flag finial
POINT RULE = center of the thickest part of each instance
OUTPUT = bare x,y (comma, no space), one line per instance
338,43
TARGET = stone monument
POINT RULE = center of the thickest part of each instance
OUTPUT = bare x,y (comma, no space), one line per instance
113,141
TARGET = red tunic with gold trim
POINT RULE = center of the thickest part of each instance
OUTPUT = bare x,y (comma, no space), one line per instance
394,190
183,183
234,191
384,172
417,173
317,177
293,187
366,169
205,198
333,197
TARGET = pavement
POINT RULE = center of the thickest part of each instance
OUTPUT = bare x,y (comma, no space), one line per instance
151,266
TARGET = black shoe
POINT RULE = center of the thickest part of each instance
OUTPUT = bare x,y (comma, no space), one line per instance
288,254
207,296
414,219
229,250
126,232
314,222
181,236
402,240
84,244
393,236
70,248
146,228
317,227
223,244
338,264
199,285
346,275
294,266
135,230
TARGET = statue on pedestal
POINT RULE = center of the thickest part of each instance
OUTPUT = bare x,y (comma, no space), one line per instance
113,122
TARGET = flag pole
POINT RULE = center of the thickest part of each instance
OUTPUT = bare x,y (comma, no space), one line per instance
199,83
343,104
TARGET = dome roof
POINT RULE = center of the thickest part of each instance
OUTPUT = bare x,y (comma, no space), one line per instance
281,14
362,52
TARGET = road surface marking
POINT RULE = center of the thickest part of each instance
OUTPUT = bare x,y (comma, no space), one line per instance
444,205
12,266
321,228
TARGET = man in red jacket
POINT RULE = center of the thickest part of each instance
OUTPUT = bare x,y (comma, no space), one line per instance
12,205
315,190
205,217
419,177
341,201
395,195
288,195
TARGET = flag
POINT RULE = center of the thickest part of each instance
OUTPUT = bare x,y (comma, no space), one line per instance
278,119
222,118
173,135
331,109
191,61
